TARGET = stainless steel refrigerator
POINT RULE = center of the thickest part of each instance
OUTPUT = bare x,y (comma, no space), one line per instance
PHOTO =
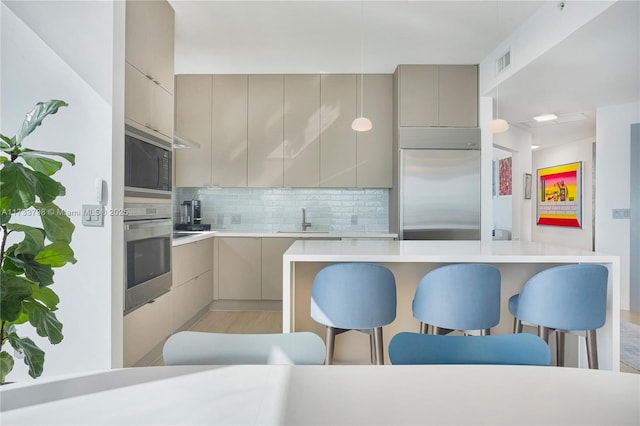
439,197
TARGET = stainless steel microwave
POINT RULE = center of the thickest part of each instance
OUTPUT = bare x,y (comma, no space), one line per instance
147,162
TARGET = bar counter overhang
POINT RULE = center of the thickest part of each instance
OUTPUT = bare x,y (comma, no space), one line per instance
410,260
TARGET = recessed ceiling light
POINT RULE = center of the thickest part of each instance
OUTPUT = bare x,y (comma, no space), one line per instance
534,147
545,117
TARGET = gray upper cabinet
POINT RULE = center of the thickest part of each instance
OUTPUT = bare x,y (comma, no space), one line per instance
301,130
438,95
149,67
374,152
229,131
193,122
337,138
150,40
289,130
265,130
458,95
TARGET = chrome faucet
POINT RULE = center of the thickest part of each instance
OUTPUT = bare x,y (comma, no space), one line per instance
305,224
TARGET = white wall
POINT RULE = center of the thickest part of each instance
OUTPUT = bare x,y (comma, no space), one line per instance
518,142
31,71
613,135
553,156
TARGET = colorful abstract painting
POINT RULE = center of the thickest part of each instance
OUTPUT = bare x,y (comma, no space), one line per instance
505,178
559,195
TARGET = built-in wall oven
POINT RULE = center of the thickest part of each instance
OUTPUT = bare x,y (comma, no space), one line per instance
147,171
147,256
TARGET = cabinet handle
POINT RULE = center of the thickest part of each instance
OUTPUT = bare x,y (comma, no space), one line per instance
156,82
149,77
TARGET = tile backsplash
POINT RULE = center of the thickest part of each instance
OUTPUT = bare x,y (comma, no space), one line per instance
280,209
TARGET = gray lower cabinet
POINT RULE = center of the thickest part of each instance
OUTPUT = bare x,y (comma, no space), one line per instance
146,328
272,251
192,266
239,268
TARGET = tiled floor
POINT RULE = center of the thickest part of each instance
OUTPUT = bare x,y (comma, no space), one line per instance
271,322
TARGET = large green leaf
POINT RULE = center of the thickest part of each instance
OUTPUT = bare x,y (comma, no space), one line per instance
46,296
56,254
45,321
47,189
34,118
5,217
35,271
57,225
13,290
33,241
71,158
43,165
6,365
8,266
33,355
6,143
18,187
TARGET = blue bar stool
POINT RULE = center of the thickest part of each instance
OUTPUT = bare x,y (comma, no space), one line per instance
354,296
463,297
504,349
561,299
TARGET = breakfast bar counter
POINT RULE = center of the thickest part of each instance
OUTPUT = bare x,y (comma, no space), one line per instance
411,260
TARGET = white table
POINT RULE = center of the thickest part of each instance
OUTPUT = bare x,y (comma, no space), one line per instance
328,395
410,260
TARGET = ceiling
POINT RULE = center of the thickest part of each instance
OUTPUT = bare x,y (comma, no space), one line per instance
597,65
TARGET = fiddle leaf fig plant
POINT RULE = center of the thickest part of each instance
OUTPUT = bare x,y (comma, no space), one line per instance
28,254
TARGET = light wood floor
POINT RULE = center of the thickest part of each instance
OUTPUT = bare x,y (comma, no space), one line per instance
634,318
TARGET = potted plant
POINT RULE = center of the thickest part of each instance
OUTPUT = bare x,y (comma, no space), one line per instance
28,253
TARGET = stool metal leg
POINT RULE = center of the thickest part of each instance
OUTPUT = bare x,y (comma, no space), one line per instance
517,325
559,348
485,332
372,346
330,340
377,333
424,328
543,333
592,349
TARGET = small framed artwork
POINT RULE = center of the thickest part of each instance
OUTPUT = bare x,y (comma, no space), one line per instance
527,186
560,195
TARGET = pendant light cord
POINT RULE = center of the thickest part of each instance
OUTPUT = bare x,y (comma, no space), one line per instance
362,58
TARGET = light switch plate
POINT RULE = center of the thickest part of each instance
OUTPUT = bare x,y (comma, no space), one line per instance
92,215
620,213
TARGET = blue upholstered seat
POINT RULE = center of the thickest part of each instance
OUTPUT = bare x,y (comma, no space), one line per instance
518,349
564,298
354,296
462,296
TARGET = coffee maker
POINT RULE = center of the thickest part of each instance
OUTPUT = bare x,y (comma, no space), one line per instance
190,217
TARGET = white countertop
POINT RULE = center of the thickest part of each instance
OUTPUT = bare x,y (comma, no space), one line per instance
438,251
328,395
311,235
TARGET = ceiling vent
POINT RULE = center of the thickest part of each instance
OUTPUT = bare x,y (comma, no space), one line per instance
565,118
503,62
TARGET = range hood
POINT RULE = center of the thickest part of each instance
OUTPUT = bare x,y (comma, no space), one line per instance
181,142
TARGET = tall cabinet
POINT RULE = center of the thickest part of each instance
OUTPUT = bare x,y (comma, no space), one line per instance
149,46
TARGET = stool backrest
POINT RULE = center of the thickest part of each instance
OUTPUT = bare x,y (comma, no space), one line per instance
354,296
515,349
568,297
199,348
462,296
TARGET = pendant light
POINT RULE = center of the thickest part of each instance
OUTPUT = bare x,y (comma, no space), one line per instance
362,123
498,125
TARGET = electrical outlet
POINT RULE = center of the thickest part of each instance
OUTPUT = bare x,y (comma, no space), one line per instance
354,219
620,213
220,219
236,219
